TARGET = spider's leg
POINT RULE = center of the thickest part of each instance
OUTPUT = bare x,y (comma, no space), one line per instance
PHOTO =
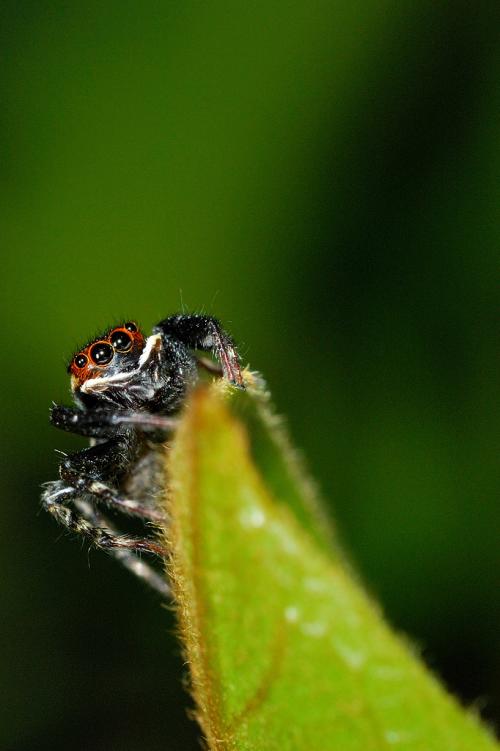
86,521
58,500
204,333
93,423
93,471
127,558
96,423
103,494
146,421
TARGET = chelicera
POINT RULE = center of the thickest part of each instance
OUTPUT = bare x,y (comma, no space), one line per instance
127,389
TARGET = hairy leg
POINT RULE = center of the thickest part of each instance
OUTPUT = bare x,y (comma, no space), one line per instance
58,499
86,521
96,423
205,333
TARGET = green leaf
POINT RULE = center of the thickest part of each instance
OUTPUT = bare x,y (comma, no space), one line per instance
285,649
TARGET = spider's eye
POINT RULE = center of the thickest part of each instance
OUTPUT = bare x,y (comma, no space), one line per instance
80,361
130,326
121,341
101,353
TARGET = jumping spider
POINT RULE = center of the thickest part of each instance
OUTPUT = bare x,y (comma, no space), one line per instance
127,390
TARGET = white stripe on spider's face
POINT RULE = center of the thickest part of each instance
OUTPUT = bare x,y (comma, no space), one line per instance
97,385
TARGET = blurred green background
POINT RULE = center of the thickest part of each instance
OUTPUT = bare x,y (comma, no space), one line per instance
322,176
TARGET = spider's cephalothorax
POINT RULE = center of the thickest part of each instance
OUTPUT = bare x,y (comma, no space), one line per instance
127,389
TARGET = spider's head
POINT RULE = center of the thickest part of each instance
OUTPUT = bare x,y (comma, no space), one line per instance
111,367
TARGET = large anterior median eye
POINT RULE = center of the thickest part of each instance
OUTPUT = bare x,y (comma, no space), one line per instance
121,341
101,353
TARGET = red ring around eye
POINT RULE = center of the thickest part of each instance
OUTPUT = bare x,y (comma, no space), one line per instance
80,361
101,353
121,340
